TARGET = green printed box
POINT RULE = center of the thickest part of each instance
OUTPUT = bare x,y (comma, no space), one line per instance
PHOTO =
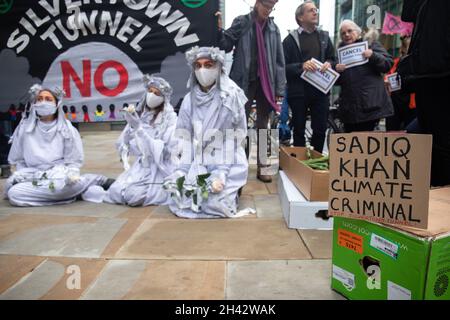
379,262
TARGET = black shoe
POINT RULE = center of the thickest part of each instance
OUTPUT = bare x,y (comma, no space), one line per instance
108,183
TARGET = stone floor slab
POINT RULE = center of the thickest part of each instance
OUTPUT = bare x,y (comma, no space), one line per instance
14,268
57,236
319,242
76,209
268,206
181,280
280,280
254,187
244,239
115,281
37,283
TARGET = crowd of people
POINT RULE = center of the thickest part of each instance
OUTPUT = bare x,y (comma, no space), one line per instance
190,161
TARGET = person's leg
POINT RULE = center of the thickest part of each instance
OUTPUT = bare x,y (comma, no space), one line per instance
263,109
298,108
319,118
248,107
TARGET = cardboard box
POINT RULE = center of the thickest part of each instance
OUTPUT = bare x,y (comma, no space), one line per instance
313,184
381,177
300,213
378,262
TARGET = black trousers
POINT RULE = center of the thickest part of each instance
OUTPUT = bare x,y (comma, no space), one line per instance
319,107
263,109
433,114
360,127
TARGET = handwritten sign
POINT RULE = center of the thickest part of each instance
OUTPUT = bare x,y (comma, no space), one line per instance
352,55
381,177
323,81
395,82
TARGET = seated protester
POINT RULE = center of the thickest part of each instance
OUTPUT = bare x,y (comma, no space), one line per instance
148,136
48,154
212,118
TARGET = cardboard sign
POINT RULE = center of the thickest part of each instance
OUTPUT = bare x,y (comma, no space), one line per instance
352,55
381,177
395,82
323,81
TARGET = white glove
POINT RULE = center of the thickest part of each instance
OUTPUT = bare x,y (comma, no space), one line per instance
132,117
18,177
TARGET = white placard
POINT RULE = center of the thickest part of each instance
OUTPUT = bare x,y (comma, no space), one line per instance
352,55
384,245
345,277
396,292
323,81
395,82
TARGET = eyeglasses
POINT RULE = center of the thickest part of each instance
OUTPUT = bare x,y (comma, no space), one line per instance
313,10
267,8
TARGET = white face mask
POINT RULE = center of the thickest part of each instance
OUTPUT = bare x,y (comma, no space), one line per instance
153,101
207,77
45,109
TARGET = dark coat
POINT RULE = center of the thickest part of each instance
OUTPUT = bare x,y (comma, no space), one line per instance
239,37
364,96
294,60
430,45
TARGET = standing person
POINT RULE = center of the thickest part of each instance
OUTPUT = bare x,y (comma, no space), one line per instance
404,102
208,181
364,98
258,65
48,154
429,65
149,137
300,47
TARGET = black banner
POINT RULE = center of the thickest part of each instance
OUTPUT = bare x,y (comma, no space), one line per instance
98,50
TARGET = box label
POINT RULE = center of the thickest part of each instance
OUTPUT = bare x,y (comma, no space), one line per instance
396,292
350,241
385,246
345,277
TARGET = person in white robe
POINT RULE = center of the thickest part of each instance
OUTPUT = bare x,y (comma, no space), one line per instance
47,153
213,127
149,138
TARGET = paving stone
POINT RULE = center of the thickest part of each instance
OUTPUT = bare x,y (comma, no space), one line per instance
115,281
14,268
162,212
36,284
243,239
57,236
319,243
254,187
181,280
268,206
280,280
76,209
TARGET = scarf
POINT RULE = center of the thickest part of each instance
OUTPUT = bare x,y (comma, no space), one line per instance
263,71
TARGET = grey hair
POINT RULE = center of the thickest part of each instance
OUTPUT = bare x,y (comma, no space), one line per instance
353,24
301,9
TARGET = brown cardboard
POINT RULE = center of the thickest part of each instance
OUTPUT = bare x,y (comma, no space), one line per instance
381,177
439,215
313,184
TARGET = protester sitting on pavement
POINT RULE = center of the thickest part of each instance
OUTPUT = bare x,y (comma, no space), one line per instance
364,98
212,116
149,137
48,153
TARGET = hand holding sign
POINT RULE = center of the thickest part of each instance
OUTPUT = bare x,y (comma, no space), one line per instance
355,54
320,75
